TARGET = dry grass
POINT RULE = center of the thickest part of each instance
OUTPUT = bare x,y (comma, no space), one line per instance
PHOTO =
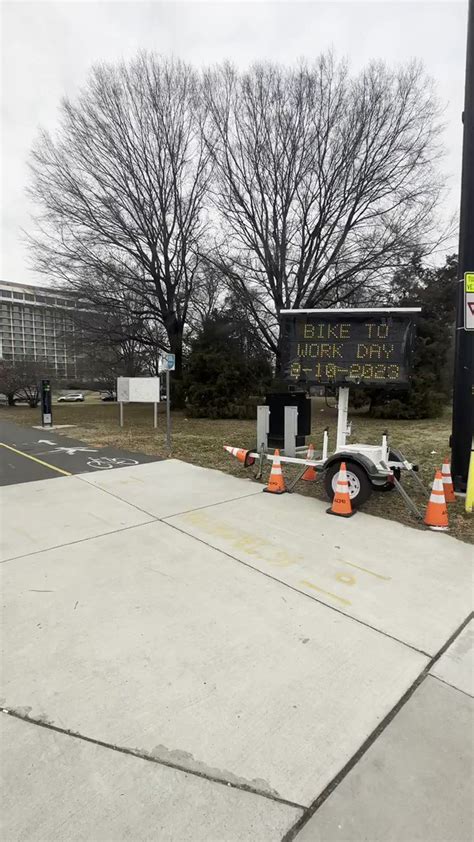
200,441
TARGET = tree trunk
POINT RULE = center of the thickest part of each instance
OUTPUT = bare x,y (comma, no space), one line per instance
11,398
279,357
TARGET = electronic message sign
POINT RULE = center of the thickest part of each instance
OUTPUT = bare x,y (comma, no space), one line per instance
371,347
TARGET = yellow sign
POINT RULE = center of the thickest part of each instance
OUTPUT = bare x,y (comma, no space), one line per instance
469,281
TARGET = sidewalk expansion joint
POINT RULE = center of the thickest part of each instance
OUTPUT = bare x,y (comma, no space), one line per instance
453,687
322,797
79,540
143,755
163,519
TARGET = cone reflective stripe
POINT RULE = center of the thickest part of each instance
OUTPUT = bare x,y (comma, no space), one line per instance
449,494
341,503
436,512
243,456
310,473
276,483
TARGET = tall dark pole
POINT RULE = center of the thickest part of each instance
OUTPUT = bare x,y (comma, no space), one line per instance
463,401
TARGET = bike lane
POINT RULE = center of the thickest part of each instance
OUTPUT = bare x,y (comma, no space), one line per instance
27,455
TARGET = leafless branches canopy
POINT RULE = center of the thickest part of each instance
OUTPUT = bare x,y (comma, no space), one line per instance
122,190
315,185
323,182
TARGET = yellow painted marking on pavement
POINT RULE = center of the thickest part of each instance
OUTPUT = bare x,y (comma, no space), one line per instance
35,459
246,542
327,593
366,570
346,578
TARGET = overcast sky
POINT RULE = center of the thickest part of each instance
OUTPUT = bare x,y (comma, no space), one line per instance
47,49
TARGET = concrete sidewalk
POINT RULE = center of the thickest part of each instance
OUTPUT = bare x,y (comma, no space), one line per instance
187,658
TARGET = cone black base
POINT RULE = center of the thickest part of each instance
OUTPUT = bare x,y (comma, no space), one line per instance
274,492
338,514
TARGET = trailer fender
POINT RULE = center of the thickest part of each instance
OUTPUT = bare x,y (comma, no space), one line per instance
360,459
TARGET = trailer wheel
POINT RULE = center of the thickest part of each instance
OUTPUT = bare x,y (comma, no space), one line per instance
360,487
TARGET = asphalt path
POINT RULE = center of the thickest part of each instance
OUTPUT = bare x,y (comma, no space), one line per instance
27,455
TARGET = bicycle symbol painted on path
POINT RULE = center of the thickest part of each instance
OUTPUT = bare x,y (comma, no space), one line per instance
106,462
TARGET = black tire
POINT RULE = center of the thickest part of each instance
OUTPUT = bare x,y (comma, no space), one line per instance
353,470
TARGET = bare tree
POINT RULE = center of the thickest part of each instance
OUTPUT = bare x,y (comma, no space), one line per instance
208,295
323,183
121,190
19,380
9,380
113,338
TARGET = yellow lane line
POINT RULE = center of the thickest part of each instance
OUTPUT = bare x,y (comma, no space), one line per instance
328,593
366,570
35,459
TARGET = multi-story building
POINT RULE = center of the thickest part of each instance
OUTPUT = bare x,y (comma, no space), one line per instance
35,323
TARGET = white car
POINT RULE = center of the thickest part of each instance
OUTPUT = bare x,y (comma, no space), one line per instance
77,396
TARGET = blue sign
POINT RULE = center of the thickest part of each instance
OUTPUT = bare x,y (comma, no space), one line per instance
168,362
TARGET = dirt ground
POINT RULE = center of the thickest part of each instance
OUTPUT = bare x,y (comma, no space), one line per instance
200,441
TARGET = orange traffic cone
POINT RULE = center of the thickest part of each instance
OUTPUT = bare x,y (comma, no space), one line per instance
341,503
276,482
243,456
310,473
436,516
448,489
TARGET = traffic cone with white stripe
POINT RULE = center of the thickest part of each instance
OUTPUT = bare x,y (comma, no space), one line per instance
243,456
341,503
436,517
310,473
276,482
448,488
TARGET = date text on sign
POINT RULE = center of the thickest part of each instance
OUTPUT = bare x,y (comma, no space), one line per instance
347,347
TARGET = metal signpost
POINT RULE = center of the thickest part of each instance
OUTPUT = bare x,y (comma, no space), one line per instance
167,363
46,408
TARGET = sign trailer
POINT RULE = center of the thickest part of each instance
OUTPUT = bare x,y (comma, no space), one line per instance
342,347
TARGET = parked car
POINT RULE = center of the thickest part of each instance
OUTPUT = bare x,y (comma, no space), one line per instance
109,397
72,398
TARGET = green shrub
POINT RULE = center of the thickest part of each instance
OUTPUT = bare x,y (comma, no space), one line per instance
220,376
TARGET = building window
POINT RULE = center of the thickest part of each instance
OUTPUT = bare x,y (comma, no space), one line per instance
5,294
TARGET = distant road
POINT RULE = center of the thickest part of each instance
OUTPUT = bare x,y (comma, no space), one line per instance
27,455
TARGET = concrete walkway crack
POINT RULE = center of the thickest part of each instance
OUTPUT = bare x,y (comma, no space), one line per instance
160,759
